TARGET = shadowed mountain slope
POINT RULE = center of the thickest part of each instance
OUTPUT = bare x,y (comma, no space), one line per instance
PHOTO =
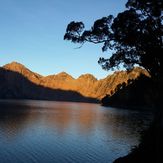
137,93
17,81
13,85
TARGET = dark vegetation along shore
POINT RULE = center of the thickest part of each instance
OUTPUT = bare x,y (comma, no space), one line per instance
142,93
136,93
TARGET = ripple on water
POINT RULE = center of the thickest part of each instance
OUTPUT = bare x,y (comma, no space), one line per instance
42,131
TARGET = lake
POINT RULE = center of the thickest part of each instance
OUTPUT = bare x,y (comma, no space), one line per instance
65,132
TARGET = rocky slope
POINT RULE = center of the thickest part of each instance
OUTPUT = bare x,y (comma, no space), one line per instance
15,79
137,93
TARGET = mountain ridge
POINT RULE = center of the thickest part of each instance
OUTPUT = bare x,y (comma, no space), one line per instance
86,84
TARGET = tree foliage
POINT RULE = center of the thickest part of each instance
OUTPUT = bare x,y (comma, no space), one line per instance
135,36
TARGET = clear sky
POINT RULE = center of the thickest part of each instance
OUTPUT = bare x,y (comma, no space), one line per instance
31,32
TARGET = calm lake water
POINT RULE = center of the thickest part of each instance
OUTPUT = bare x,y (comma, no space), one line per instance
65,132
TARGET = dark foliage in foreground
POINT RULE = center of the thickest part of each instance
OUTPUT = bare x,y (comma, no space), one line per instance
136,37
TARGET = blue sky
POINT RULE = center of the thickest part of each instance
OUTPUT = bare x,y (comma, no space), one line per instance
31,32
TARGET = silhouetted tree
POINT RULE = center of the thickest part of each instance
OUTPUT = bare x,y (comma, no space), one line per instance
135,36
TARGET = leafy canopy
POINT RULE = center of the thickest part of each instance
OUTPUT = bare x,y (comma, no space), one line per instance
135,36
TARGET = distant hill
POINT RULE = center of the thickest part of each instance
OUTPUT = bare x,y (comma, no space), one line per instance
17,81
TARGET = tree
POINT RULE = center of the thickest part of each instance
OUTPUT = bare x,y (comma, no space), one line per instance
135,36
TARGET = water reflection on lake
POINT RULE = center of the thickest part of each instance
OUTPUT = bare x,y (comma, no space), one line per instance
46,132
